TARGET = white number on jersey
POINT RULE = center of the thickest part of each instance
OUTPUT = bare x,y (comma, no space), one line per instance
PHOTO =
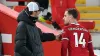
80,41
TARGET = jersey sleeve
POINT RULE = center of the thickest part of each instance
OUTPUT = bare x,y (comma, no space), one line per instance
64,46
65,34
64,43
90,46
90,39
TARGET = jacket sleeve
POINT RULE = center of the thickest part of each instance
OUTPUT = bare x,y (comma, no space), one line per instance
20,41
90,47
46,36
0,45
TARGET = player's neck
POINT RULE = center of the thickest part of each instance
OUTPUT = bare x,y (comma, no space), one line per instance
73,21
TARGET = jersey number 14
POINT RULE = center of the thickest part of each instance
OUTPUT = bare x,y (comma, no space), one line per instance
80,41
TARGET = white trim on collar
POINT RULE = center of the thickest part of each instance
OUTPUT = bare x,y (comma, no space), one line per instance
75,24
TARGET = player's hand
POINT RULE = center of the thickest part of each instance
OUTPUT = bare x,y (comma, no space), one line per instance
58,37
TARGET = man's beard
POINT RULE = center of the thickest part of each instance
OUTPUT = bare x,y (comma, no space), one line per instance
33,19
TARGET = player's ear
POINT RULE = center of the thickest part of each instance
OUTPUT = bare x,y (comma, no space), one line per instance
70,16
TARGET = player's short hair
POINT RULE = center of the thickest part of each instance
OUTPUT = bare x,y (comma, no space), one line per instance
73,12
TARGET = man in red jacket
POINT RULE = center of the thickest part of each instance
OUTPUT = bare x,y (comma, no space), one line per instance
76,40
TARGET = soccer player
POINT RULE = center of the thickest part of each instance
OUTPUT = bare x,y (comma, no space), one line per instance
76,40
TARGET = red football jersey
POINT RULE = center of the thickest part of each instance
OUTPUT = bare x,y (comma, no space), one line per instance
77,41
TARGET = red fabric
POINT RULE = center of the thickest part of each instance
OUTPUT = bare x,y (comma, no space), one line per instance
82,48
64,47
17,0
87,24
58,9
90,47
71,3
48,22
19,8
8,25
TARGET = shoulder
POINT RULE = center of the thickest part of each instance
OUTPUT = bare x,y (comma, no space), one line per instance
21,26
20,14
65,28
86,30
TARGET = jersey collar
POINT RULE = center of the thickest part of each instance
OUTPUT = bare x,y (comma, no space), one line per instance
75,23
